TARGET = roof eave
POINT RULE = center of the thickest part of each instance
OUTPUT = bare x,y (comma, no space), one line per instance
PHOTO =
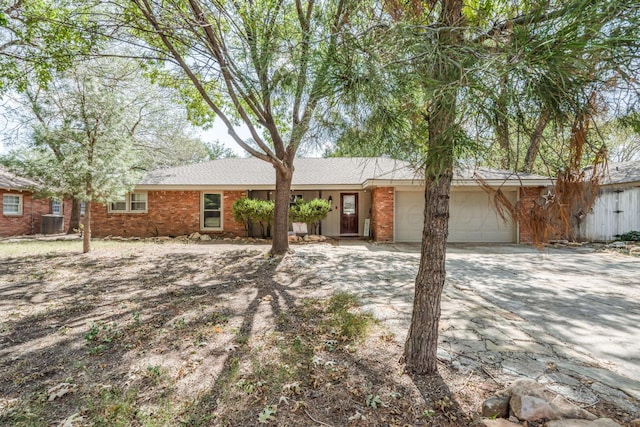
20,189
217,187
461,182
633,183
512,182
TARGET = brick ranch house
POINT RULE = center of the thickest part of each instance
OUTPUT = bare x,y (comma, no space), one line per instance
370,197
22,211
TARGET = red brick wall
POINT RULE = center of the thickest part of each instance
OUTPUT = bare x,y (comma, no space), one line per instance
29,221
169,213
230,225
528,198
382,212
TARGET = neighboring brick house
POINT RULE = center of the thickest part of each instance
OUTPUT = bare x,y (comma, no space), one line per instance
22,211
370,197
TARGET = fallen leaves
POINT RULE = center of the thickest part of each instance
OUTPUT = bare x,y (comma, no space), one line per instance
60,390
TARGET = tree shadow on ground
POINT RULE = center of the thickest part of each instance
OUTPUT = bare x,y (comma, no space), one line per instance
68,318
162,333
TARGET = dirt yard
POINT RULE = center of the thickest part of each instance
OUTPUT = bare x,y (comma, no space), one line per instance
171,334
199,334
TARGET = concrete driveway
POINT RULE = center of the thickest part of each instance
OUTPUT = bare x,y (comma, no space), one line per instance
569,318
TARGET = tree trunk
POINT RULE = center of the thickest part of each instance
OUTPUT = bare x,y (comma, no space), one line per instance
420,351
534,141
422,342
74,221
502,126
280,243
86,236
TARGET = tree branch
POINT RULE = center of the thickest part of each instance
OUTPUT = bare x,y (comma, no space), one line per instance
145,8
229,81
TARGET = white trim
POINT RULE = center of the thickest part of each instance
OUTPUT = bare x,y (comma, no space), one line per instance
513,182
407,183
132,202
202,225
395,213
20,204
127,204
245,187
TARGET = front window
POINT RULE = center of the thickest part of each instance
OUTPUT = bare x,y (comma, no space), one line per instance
131,202
212,210
83,208
12,204
138,202
349,204
118,206
56,207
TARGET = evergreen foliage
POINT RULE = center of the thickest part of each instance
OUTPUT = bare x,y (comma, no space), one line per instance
309,212
254,211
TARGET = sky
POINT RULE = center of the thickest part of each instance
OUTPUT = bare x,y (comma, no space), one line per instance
217,132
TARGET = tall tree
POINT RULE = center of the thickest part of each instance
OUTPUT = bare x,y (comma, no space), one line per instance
262,64
469,71
216,150
622,137
95,128
40,37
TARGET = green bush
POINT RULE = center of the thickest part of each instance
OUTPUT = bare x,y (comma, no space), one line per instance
241,211
631,236
263,214
311,212
253,211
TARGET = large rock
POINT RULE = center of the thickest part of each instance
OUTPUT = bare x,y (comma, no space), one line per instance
523,387
565,409
194,236
500,423
496,407
600,422
205,237
531,408
605,422
531,401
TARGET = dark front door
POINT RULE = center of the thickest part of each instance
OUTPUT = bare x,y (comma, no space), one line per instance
349,213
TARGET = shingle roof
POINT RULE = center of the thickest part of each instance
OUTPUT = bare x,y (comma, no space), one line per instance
471,172
308,171
10,181
622,173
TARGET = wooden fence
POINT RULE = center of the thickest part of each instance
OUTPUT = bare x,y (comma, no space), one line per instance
616,211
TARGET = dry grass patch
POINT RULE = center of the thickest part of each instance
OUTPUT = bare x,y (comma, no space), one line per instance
174,334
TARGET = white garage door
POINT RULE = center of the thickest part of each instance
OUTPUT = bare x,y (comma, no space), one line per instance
472,218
